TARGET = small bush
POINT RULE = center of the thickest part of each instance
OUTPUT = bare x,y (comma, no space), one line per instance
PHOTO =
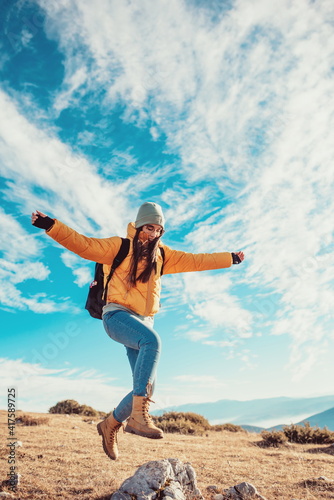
88,411
273,438
301,434
28,420
307,434
227,427
67,407
70,406
182,423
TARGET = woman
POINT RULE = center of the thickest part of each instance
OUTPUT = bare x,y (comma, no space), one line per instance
132,301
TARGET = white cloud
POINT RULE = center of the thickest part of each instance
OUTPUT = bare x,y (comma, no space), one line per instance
19,250
197,335
221,343
12,299
210,298
83,274
17,273
65,98
83,198
200,381
14,239
185,204
39,388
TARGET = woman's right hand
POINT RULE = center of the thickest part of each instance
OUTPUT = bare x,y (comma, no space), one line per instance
38,219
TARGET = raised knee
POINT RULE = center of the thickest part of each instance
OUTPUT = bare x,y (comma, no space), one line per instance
152,342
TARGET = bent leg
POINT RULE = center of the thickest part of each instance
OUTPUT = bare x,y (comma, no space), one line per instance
124,408
143,347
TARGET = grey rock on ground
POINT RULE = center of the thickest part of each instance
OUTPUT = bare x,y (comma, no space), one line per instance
161,479
213,488
242,491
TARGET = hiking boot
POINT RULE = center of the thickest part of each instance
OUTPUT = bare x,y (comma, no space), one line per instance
108,429
140,422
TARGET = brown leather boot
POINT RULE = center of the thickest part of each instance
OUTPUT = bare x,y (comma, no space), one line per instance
140,421
108,429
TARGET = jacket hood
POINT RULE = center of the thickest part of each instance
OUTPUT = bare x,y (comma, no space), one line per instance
131,231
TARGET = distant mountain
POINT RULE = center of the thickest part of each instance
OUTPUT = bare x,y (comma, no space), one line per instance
257,412
323,419
253,428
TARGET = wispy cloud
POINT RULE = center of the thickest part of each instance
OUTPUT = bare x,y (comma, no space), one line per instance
83,274
40,388
200,380
20,251
212,300
46,168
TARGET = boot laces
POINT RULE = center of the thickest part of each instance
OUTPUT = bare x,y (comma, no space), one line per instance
114,431
146,406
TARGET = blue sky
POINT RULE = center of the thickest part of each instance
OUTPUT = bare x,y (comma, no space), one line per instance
223,113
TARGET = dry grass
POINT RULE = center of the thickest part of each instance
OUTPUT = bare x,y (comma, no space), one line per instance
65,460
31,420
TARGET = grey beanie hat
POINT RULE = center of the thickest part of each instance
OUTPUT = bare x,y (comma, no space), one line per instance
150,213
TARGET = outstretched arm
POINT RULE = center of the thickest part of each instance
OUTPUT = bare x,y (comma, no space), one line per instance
102,250
180,262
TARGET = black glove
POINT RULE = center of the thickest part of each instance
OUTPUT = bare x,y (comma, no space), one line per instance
235,258
43,222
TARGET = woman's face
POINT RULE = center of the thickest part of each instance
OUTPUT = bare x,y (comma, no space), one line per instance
153,231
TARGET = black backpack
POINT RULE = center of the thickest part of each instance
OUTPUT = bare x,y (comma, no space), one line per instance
97,295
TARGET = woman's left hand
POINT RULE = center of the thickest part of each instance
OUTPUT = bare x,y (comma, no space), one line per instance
241,255
237,257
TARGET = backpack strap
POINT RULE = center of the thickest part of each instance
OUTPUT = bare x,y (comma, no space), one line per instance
162,252
122,253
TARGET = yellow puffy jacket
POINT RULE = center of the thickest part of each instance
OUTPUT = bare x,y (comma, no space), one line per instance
144,298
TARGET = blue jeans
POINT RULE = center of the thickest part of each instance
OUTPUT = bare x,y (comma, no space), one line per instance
143,346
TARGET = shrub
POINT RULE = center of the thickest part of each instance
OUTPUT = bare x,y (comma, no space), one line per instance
301,434
227,427
182,423
307,434
273,438
88,411
28,420
69,407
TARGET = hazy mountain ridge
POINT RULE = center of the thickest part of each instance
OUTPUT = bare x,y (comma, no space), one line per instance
321,420
253,412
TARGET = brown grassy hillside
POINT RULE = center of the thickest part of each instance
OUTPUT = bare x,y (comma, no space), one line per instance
63,459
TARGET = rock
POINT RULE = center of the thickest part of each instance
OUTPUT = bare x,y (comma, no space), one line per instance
213,488
5,494
18,444
163,479
242,491
75,427
218,497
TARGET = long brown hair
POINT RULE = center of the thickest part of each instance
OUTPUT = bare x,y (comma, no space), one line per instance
143,251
